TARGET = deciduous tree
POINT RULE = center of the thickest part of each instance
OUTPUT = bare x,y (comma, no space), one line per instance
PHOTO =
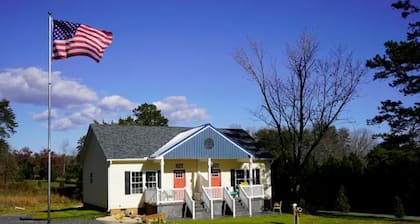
310,96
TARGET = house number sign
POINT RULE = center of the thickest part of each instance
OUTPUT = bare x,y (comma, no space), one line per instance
208,143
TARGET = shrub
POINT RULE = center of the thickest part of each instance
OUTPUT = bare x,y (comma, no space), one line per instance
342,202
398,207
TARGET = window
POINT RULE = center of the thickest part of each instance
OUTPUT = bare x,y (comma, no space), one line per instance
179,173
239,176
215,172
136,183
151,179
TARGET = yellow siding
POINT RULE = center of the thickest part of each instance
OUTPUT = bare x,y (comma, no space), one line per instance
193,169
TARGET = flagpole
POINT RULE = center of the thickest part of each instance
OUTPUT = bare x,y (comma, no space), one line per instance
49,114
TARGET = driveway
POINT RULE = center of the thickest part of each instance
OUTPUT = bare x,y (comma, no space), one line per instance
12,219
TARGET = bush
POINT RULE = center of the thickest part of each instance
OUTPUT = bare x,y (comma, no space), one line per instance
342,203
398,207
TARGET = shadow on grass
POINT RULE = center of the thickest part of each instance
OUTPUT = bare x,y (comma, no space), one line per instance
79,213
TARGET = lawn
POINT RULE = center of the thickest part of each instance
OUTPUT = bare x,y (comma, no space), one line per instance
304,219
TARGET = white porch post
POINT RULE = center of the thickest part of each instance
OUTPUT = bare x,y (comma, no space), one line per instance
162,167
251,175
162,171
209,171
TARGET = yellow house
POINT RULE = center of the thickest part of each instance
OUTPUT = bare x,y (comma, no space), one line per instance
198,172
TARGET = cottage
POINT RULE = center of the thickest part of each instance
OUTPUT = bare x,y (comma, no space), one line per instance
198,172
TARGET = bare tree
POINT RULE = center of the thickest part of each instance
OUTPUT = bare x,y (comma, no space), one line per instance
361,142
309,98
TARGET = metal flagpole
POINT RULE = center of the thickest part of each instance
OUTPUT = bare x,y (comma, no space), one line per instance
49,114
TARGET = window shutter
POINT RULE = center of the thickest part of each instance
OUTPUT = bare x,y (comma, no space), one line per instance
257,176
127,182
158,179
232,178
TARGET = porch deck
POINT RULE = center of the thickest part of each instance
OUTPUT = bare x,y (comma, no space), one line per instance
181,202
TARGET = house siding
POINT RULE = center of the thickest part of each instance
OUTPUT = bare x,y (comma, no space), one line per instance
95,180
194,147
118,198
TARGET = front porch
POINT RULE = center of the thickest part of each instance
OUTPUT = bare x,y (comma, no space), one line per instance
213,201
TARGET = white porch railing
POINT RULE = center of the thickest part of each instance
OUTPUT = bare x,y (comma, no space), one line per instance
205,197
151,196
190,203
254,191
158,196
215,193
230,201
209,194
245,199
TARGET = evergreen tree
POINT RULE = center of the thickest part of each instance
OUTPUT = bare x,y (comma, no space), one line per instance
398,207
342,203
400,65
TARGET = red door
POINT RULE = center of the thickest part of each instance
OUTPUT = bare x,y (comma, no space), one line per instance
179,182
179,178
216,179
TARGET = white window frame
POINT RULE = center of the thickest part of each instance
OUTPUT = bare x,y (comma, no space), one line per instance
136,185
152,182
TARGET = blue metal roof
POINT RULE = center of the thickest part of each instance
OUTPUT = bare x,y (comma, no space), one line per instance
194,147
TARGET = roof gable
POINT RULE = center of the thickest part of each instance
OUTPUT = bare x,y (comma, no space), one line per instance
193,146
132,141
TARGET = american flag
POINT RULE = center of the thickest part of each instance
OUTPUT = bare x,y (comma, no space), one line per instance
74,39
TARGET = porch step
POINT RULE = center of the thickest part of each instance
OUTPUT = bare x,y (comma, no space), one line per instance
202,212
240,209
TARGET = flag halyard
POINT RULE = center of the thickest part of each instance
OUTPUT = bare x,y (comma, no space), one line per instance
75,39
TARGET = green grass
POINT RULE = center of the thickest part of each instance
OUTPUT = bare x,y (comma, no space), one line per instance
70,213
304,219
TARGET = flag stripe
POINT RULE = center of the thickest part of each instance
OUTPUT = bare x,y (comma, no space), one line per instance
73,39
71,49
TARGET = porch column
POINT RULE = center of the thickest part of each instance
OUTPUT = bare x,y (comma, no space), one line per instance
251,175
209,170
162,171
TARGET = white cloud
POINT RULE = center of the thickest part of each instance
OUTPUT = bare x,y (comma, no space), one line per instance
116,103
30,85
44,115
177,108
76,105
78,118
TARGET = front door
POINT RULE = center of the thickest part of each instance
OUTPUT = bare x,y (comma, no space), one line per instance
179,184
179,178
216,179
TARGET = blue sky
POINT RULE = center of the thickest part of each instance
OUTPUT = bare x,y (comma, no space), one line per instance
176,54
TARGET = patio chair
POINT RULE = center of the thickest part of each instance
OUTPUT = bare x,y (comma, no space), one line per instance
277,207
